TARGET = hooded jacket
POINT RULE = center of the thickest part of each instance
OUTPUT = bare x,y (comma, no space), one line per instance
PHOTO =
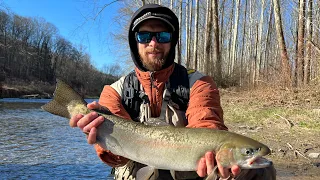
153,8
204,109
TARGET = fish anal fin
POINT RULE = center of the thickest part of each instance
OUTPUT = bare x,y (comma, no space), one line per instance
147,173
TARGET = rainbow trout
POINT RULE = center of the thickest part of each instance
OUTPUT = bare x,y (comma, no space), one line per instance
162,147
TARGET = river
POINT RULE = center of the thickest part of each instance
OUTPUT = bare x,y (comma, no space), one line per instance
38,145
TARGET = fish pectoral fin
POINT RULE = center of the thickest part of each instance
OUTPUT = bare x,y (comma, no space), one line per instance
147,173
173,174
214,174
225,157
211,176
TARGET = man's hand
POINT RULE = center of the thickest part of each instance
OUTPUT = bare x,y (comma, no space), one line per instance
88,123
207,163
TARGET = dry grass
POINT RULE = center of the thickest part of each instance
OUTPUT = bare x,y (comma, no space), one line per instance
301,107
279,118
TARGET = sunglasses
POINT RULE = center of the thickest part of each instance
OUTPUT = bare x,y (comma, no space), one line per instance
146,37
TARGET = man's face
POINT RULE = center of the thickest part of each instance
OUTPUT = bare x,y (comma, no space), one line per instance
153,54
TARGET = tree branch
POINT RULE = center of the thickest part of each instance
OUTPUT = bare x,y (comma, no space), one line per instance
314,45
106,5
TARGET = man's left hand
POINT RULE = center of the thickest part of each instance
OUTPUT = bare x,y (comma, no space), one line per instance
207,163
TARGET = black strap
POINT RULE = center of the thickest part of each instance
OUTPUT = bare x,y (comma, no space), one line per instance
132,95
179,87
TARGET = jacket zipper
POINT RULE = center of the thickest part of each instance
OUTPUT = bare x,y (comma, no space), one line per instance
152,93
152,79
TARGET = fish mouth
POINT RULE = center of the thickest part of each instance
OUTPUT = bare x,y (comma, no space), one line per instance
256,162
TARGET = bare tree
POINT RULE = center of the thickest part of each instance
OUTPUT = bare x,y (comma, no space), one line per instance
207,41
188,32
171,4
300,50
268,40
243,43
216,43
309,29
235,37
260,43
284,54
196,30
222,10
229,51
180,38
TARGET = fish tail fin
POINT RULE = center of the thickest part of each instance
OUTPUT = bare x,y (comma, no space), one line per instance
64,95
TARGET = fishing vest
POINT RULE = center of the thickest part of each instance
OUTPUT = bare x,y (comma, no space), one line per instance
177,89
175,101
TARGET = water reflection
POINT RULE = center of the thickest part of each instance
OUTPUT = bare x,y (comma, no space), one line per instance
37,145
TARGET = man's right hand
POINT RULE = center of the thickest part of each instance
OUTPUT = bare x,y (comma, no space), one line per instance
88,123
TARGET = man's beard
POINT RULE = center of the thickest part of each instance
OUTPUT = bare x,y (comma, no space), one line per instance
153,64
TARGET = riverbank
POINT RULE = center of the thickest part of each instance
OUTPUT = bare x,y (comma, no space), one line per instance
14,88
20,89
285,120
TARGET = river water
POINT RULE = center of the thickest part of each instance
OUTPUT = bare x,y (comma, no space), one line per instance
38,145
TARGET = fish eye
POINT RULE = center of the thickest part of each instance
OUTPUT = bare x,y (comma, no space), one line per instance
248,151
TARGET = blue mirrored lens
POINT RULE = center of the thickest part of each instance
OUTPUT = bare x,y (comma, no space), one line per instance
161,37
143,37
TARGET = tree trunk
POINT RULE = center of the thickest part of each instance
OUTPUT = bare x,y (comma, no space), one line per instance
282,45
207,41
222,21
250,45
300,50
188,36
259,43
180,31
195,42
268,43
243,43
216,43
230,41
235,38
309,28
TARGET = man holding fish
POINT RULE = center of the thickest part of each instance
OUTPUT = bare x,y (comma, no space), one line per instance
159,88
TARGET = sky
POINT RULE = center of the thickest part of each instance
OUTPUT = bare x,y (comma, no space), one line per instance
72,19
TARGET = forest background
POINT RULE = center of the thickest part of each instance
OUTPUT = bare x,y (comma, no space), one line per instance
263,54
240,43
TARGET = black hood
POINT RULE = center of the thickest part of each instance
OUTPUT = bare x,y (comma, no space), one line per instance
172,19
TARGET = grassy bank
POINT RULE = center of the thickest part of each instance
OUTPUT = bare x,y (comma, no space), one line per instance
288,121
282,107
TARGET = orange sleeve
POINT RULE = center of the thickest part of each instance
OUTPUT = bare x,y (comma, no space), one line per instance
112,100
204,110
